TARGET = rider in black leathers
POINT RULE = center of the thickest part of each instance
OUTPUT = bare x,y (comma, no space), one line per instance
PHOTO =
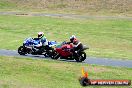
77,45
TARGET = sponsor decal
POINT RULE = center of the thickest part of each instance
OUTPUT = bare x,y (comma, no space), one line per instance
85,81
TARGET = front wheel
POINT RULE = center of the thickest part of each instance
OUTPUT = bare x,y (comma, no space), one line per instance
81,57
21,50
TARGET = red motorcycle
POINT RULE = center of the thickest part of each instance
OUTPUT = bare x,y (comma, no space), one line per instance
65,51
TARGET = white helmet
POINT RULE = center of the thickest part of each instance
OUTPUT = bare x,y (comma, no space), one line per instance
72,38
40,34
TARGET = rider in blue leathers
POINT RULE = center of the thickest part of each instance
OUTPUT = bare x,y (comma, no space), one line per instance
43,41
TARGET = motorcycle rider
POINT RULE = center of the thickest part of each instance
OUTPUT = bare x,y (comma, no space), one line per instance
78,46
43,41
42,38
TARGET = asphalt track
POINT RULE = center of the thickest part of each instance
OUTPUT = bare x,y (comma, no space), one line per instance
89,60
74,16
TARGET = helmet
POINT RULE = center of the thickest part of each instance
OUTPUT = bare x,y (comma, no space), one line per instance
40,34
72,38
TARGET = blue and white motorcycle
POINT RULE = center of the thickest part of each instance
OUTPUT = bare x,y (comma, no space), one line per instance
29,47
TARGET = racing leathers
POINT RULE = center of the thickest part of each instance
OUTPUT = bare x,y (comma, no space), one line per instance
78,46
43,42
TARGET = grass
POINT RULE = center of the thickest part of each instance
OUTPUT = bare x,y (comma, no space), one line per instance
90,7
30,73
6,5
106,38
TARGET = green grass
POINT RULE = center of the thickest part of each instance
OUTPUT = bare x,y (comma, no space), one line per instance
28,73
106,38
4,5
90,7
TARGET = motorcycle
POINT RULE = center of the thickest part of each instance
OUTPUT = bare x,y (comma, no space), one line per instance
64,51
29,44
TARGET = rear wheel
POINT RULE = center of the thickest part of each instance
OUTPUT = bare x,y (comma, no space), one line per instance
21,50
50,51
80,57
55,55
83,56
